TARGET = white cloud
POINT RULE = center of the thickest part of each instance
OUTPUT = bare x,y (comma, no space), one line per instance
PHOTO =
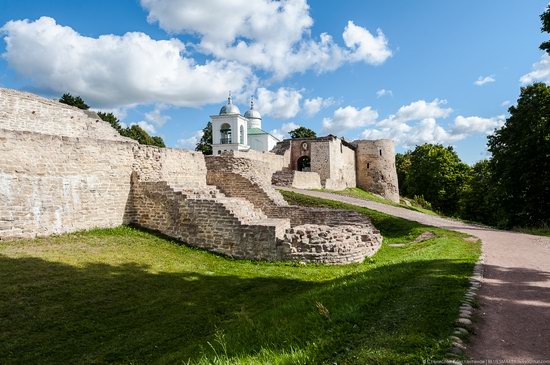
383,92
281,104
472,125
147,127
113,70
416,123
366,47
190,142
482,80
422,109
156,117
314,105
271,35
282,133
348,118
506,103
541,71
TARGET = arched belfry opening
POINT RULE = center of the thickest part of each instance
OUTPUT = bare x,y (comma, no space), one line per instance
303,164
225,134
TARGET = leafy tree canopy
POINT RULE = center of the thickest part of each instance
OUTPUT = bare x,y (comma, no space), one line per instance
74,101
545,20
205,143
302,132
436,173
521,159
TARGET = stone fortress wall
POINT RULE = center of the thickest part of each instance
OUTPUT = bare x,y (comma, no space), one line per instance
340,165
375,163
62,170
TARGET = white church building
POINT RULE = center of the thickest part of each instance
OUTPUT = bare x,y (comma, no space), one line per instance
233,132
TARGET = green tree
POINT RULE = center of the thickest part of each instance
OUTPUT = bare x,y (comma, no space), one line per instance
111,119
205,143
74,101
134,132
545,20
437,174
302,132
521,159
402,165
478,202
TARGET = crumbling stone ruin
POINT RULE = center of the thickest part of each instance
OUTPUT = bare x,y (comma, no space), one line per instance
63,169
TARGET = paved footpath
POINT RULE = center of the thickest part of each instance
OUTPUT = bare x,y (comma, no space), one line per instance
514,313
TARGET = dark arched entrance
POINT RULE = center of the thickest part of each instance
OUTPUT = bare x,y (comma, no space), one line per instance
303,164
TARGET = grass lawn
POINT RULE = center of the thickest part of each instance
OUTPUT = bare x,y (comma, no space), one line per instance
126,296
362,194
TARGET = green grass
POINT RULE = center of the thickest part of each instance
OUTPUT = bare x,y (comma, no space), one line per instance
542,231
126,296
365,195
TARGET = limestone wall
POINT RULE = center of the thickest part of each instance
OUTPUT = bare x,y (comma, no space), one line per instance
342,166
375,163
296,179
20,111
51,184
270,160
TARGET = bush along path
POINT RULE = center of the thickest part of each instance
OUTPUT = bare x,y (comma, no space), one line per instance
512,321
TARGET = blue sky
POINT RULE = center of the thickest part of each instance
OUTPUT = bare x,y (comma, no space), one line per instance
405,70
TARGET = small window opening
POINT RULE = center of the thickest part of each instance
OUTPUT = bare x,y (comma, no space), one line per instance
380,152
368,165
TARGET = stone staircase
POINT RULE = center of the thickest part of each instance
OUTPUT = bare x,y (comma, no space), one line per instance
283,177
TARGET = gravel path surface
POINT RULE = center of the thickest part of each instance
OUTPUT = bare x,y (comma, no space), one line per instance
514,313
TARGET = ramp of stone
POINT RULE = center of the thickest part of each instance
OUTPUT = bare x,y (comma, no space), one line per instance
317,234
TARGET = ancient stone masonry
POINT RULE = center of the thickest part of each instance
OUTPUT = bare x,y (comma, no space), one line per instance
367,164
61,170
317,234
375,161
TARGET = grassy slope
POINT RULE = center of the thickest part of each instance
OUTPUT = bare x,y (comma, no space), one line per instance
362,194
126,296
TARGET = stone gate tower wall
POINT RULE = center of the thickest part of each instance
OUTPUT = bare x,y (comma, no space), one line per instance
375,166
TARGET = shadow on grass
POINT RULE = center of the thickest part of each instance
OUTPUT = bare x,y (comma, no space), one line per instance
57,313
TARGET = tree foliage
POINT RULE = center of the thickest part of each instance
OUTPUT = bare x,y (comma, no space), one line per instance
302,132
74,101
205,143
134,131
436,173
112,120
521,159
545,20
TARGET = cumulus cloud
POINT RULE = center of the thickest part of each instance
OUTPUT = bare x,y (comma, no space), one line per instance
470,125
270,35
348,118
146,126
416,123
422,109
314,105
365,46
283,103
282,132
156,117
383,92
113,70
191,141
482,80
541,71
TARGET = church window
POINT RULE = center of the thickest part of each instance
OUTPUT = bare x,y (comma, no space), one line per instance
225,133
241,137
